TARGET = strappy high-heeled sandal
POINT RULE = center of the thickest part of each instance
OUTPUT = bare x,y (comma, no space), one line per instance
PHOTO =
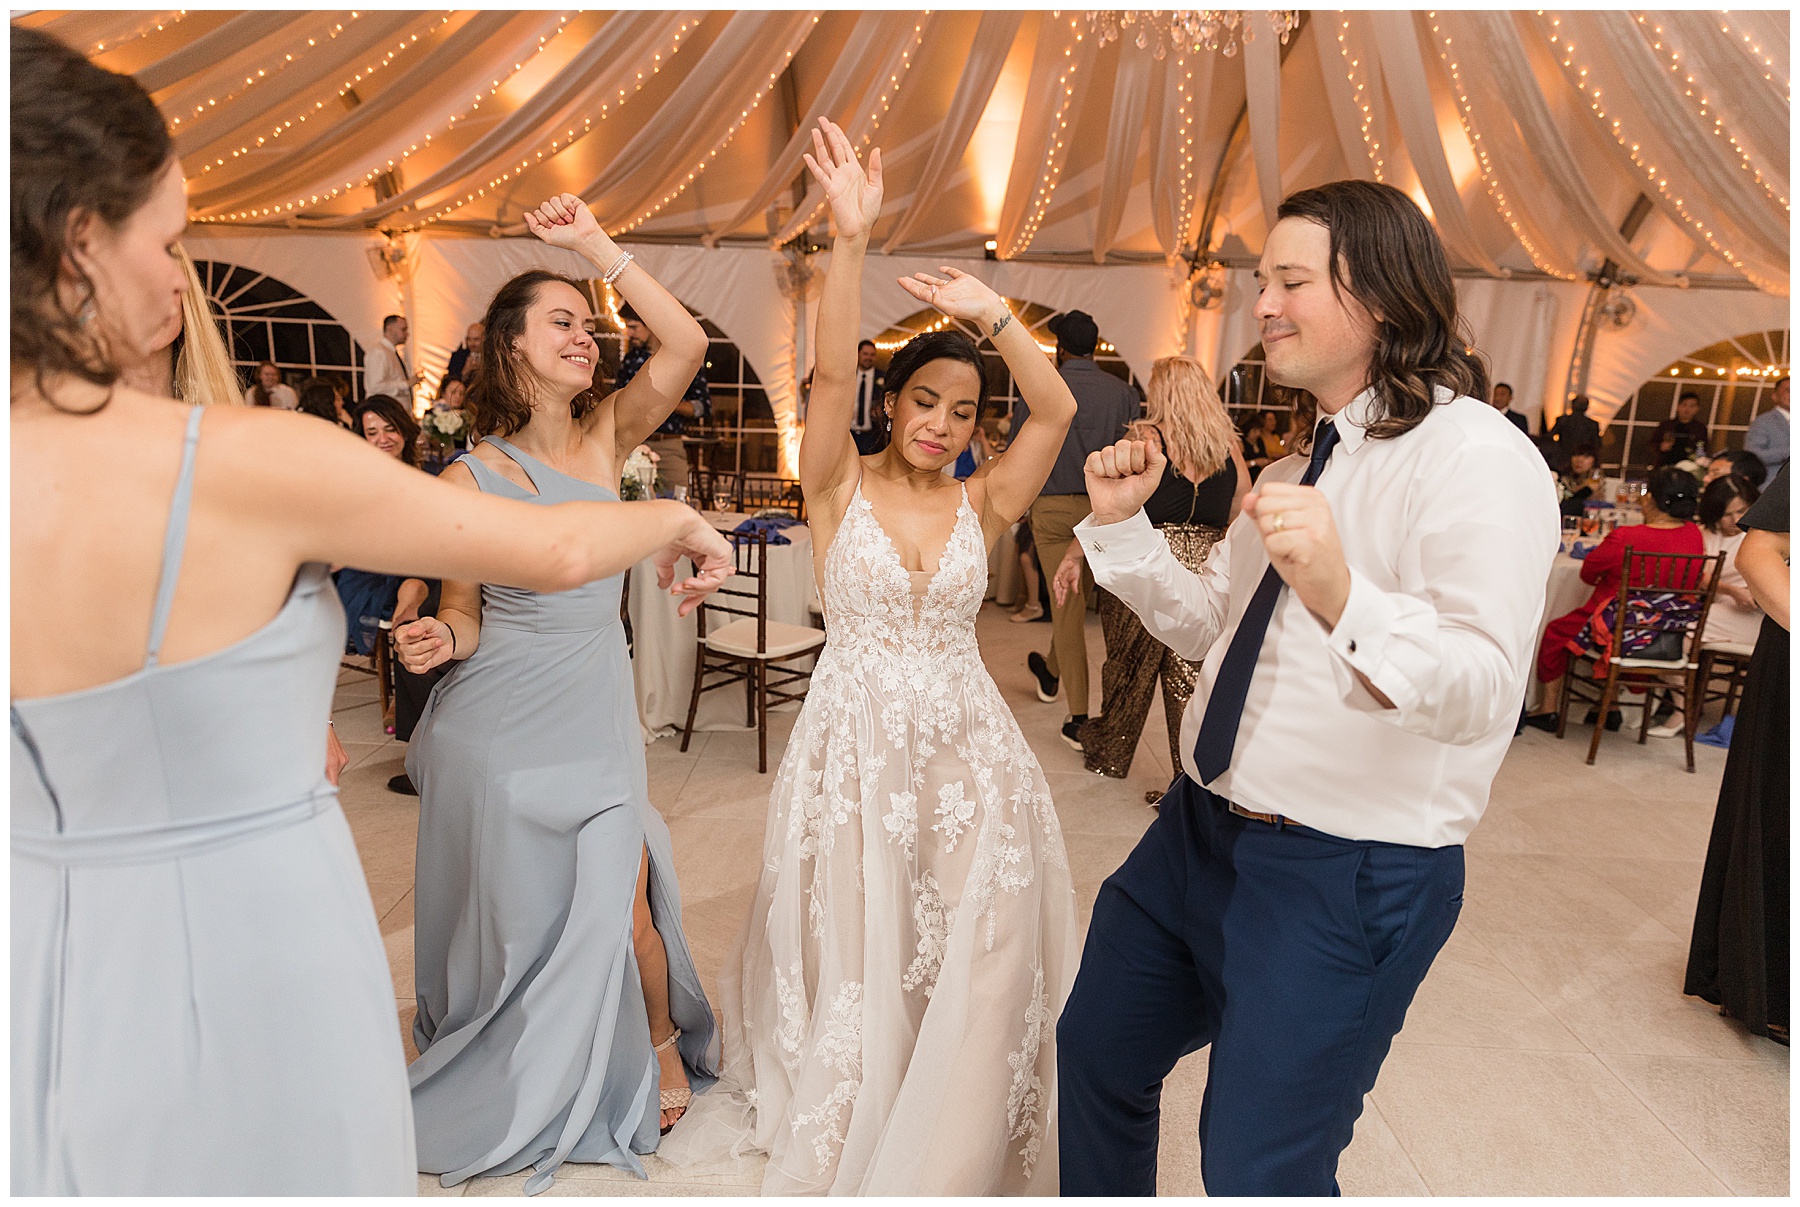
677,1099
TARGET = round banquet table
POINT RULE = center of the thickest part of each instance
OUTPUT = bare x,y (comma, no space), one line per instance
663,642
1563,593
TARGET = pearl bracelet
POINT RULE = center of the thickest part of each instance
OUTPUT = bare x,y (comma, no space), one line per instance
619,267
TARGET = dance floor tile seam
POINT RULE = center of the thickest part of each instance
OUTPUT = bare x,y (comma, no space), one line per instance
1550,1051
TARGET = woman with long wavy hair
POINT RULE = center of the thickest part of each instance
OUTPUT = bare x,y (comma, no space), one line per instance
1202,488
200,1000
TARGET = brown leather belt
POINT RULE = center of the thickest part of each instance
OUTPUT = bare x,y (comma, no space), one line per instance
1271,819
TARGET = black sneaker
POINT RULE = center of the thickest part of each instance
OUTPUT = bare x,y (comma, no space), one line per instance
402,784
1071,730
1046,682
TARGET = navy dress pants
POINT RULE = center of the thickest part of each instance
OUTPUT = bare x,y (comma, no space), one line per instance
1292,952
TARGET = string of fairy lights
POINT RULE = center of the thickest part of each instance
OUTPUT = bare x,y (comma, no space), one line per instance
724,141
1673,62
1566,54
288,58
399,49
1364,97
799,222
301,203
154,25
1047,180
1781,82
943,322
572,135
1490,178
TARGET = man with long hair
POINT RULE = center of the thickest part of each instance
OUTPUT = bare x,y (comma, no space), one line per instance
1365,631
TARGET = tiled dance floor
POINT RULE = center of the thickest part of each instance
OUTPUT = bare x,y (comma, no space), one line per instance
1550,1051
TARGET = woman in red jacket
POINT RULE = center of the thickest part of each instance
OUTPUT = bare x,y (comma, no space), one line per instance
1668,527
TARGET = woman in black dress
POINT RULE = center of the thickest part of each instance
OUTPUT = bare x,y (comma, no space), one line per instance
1738,959
1199,495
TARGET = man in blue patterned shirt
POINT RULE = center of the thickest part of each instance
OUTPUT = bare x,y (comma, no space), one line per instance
696,404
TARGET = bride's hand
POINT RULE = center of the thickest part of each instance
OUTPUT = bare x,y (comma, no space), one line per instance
563,221
855,198
958,295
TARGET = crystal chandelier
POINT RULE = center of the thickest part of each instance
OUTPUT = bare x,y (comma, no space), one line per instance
1188,29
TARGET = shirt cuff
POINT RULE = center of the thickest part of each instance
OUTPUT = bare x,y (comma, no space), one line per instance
1359,641
1129,540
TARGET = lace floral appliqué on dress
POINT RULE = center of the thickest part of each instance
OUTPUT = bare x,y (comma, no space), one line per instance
890,1009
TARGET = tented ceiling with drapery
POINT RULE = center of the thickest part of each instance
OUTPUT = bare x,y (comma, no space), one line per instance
1099,168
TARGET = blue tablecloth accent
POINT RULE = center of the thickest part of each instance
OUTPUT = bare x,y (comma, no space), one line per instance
771,526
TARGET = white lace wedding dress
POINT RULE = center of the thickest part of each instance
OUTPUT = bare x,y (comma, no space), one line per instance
890,1009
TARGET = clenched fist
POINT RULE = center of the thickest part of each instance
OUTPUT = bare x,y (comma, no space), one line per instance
1122,477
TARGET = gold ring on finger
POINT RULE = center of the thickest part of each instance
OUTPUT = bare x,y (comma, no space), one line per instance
1280,519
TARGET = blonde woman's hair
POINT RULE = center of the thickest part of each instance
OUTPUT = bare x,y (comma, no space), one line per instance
1197,434
203,372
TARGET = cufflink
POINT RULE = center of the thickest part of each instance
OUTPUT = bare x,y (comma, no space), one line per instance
1353,645
1099,548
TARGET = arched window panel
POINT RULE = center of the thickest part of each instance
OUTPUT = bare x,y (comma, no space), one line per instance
268,319
1735,379
741,433
1248,392
1002,391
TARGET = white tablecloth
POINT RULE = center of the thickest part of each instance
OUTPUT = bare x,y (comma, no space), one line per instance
1563,593
663,642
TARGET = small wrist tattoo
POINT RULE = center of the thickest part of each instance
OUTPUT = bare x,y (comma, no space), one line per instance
1001,325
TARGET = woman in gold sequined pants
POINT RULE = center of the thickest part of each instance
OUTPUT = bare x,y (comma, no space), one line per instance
1135,661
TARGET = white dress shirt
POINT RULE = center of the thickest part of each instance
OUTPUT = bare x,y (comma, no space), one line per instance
863,418
1449,532
385,373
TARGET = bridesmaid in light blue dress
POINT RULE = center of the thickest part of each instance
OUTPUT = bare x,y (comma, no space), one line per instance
560,1016
200,1002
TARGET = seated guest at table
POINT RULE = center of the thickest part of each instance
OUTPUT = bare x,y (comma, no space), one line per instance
1734,618
1262,444
1572,430
384,422
1681,434
695,404
1668,527
1738,959
1581,481
1741,462
318,400
369,597
268,390
460,368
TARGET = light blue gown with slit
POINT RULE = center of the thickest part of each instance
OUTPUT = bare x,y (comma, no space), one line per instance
534,813
201,1004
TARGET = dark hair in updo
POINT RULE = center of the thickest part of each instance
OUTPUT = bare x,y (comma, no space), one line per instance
921,350
84,141
1719,493
1675,491
499,399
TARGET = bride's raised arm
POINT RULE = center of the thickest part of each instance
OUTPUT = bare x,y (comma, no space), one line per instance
827,452
1013,479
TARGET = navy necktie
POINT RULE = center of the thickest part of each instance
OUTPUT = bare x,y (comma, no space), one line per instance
1225,706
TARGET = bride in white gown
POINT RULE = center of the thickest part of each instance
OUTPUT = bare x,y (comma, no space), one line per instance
890,1007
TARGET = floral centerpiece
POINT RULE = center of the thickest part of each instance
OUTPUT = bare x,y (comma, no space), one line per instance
444,426
637,480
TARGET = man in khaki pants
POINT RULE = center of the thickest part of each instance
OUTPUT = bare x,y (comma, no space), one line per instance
1105,404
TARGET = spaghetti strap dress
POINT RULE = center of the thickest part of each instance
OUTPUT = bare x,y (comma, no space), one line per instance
534,812
201,1003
